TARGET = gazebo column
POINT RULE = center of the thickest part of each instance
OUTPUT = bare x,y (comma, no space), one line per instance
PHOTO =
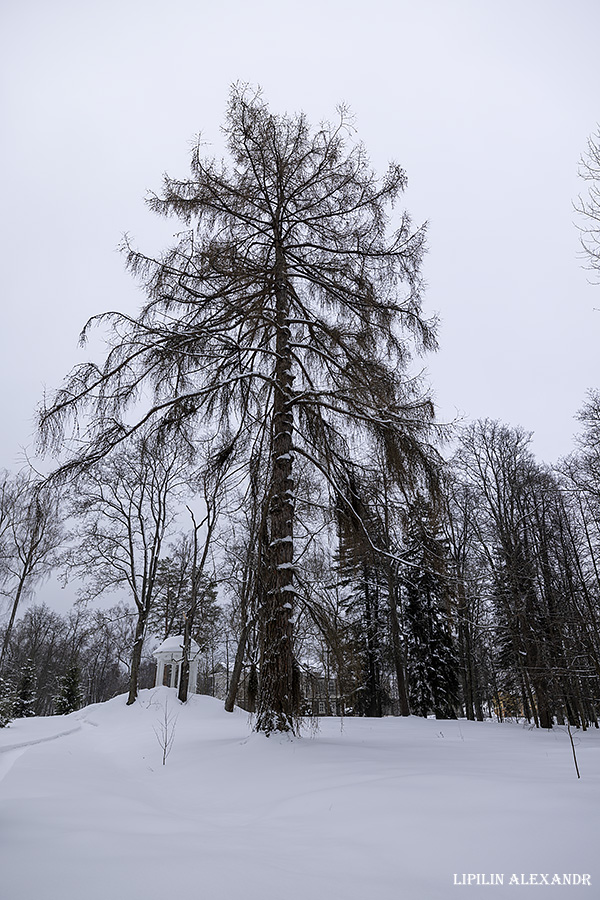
174,666
193,682
160,673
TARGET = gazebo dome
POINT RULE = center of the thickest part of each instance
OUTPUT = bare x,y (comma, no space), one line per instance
173,646
169,656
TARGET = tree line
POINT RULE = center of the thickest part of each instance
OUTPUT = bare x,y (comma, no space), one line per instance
265,394
481,597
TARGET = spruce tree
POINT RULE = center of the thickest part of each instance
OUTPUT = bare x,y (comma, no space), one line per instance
69,698
25,694
7,699
432,659
359,567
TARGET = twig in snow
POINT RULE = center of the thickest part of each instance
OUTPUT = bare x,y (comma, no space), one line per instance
165,732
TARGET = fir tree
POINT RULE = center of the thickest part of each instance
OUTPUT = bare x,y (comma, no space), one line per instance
432,660
25,698
361,577
7,699
69,699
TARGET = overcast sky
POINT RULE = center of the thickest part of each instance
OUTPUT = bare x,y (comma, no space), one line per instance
486,105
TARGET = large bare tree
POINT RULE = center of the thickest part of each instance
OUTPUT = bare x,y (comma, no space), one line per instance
284,317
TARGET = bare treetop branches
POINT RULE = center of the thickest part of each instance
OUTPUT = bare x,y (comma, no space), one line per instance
204,339
589,207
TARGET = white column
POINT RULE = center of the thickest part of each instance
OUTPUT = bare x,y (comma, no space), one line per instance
160,671
173,670
193,676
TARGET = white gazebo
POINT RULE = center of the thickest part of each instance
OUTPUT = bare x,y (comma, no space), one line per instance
169,656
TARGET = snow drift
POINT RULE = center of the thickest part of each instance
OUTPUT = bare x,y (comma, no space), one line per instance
362,808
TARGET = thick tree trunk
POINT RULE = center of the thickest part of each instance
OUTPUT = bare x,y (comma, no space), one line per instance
184,677
136,656
477,699
535,666
276,710
544,708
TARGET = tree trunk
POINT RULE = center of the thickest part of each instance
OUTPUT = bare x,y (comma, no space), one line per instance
13,614
466,656
184,677
276,710
397,648
237,669
372,705
136,656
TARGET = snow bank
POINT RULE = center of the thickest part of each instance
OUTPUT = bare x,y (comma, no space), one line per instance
369,809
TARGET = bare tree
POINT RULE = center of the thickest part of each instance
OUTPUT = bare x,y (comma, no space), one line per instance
543,618
98,641
31,532
589,206
7,500
124,507
468,576
283,319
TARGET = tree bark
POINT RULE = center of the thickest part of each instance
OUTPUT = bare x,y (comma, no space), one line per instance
13,614
136,656
237,669
372,682
397,648
276,710
184,676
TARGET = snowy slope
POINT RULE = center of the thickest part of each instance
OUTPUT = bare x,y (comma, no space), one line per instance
369,809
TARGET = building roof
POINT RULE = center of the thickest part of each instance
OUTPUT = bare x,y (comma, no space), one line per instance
175,645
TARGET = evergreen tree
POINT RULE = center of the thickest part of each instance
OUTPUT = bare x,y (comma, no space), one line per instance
7,699
359,534
171,593
366,632
432,659
25,695
69,699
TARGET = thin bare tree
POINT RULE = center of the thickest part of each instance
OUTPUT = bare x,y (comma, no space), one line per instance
124,507
31,532
588,206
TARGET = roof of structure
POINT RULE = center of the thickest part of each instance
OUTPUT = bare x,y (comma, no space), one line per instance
174,645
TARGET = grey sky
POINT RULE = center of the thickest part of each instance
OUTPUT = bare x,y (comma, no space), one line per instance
487,106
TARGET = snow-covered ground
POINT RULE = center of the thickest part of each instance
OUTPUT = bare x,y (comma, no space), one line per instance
361,810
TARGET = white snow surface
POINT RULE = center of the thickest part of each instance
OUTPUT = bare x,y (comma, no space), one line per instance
362,809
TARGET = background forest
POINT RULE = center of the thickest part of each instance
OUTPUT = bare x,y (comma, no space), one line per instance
286,497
